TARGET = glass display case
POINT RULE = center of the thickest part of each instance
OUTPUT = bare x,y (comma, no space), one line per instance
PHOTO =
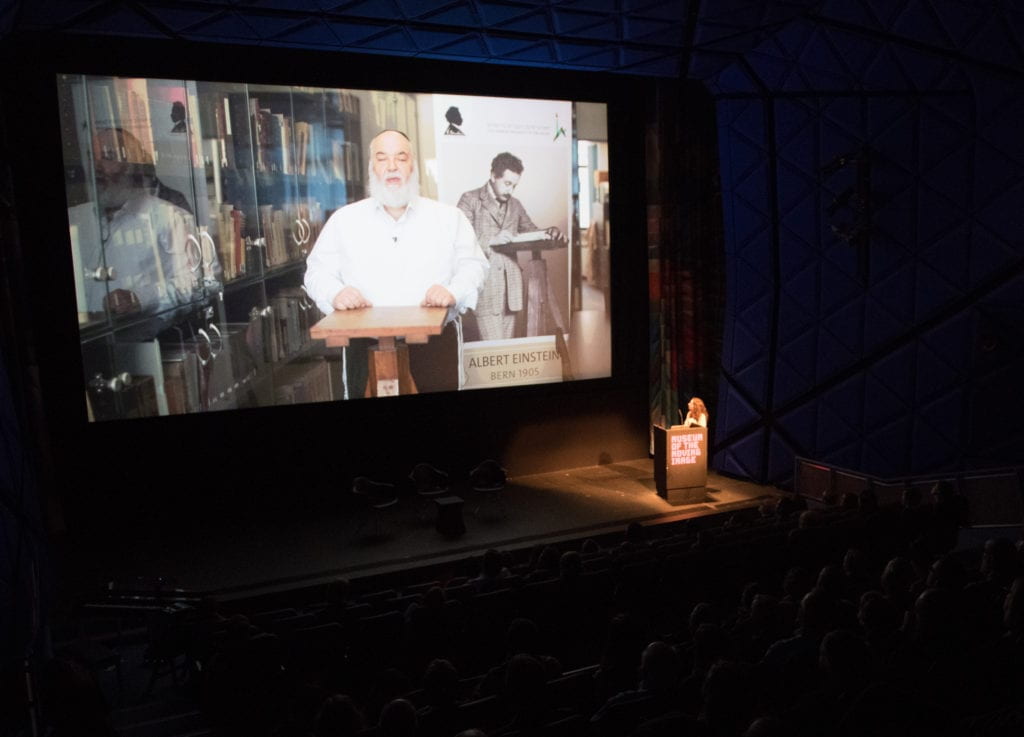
191,209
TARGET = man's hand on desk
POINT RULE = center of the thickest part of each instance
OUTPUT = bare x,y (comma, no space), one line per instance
555,234
438,296
350,298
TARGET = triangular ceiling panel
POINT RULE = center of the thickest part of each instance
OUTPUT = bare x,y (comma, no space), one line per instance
601,59
935,375
790,379
662,9
780,459
886,446
931,448
895,293
994,40
496,14
1001,170
951,176
796,190
541,52
953,341
310,34
746,456
637,29
961,21
536,23
470,45
926,71
462,15
769,68
990,254
821,55
605,30
747,348
932,292
938,218
352,33
895,372
885,72
920,22
753,379
945,415
839,277
181,19
884,255
880,326
750,223
882,403
949,254
501,45
856,13
796,257
755,315
941,134
124,21
846,400
228,27
734,78
833,356
736,413
846,325
395,40
801,424
382,9
424,8
430,40
794,319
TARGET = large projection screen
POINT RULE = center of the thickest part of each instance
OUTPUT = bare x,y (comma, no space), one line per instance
212,224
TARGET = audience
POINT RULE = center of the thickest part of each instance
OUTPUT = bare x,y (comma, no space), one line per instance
843,620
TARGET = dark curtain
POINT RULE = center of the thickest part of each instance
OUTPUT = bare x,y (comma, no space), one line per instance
685,248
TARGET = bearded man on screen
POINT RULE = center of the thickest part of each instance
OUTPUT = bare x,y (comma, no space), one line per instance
396,248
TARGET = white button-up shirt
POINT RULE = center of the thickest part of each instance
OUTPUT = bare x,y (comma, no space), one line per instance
394,262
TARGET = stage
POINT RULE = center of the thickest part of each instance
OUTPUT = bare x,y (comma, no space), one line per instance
256,556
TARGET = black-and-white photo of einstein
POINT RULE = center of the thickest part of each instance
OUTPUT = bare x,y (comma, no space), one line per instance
512,178
498,217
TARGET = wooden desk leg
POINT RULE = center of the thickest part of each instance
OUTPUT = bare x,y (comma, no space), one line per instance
389,370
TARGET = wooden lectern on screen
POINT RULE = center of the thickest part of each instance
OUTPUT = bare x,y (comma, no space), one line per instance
681,463
389,360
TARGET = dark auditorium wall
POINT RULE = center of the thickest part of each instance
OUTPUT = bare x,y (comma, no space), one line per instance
871,177
874,201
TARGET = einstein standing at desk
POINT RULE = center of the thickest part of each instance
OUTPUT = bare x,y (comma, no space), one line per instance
396,248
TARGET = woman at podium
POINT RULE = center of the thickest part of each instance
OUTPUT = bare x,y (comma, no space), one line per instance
697,414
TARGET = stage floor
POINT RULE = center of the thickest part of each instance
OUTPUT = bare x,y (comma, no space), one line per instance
272,554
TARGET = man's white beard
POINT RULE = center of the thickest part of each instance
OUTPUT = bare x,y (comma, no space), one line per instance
395,196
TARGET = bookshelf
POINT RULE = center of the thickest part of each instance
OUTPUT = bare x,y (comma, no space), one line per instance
191,209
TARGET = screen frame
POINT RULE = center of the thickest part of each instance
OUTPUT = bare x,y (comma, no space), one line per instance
90,458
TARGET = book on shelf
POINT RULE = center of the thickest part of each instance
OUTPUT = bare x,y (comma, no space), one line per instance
308,381
181,380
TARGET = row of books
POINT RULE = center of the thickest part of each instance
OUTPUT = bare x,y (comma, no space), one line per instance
289,235
288,146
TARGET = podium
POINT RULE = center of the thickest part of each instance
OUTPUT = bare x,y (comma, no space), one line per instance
389,373
542,312
680,463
